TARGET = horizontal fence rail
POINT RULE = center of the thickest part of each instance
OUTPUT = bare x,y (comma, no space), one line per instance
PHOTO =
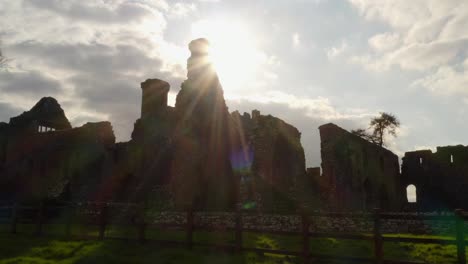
103,215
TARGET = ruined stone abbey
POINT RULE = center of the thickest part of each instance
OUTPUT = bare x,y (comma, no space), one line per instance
197,154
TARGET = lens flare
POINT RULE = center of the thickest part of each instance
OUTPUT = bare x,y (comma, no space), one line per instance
233,51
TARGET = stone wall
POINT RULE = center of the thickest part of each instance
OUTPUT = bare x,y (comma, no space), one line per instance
320,224
270,161
68,163
359,175
440,178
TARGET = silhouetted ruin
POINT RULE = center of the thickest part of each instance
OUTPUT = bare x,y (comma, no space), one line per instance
198,155
269,160
440,178
192,155
357,174
43,157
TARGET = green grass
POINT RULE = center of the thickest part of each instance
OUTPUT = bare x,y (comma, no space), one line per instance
24,248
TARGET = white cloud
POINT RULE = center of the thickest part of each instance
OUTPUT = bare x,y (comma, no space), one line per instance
385,41
425,147
427,36
73,22
393,143
318,107
369,62
398,13
446,81
182,9
337,50
296,39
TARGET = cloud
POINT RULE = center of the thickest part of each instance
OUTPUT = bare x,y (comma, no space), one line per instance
431,148
7,110
336,51
394,143
426,36
399,14
319,107
182,9
100,11
385,41
446,80
93,57
52,21
296,39
27,83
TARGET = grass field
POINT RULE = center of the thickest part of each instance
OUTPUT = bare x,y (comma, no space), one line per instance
25,248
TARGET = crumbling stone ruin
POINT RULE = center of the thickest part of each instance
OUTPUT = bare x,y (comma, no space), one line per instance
270,160
203,138
192,155
440,178
357,174
198,155
42,157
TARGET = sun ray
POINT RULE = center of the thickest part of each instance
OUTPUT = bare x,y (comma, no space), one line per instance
233,51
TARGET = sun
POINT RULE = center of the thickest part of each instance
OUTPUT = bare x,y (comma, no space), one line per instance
233,51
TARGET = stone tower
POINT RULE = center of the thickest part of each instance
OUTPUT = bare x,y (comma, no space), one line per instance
154,97
203,174
202,92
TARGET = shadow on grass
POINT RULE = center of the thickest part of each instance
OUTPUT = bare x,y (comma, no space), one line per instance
29,249
25,249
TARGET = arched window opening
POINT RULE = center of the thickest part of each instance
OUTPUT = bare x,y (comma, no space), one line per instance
451,158
411,193
420,161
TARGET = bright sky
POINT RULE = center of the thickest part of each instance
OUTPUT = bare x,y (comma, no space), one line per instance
308,62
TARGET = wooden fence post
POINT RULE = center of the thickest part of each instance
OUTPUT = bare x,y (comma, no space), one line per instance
460,226
40,218
378,242
238,228
14,218
141,223
102,221
305,237
189,240
70,213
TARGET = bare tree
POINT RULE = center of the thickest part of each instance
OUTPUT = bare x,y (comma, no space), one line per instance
381,125
364,134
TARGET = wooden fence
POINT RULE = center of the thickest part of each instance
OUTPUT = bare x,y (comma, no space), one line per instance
40,215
